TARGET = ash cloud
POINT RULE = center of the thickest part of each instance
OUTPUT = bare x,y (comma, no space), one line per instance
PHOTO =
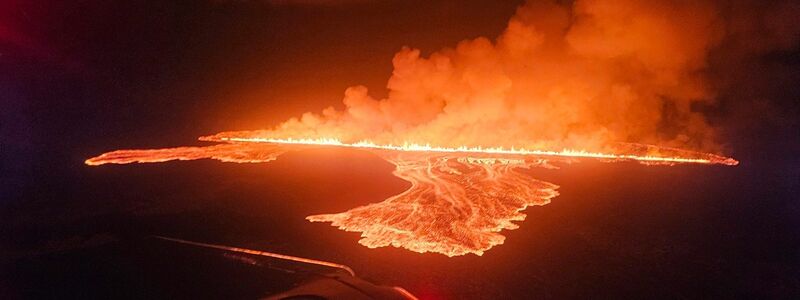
585,74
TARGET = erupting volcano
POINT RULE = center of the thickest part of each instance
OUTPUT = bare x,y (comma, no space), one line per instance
563,83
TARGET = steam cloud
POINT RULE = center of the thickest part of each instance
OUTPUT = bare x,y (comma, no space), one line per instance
588,75
585,74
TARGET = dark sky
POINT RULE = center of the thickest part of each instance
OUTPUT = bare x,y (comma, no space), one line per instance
79,78
151,73
86,77
221,65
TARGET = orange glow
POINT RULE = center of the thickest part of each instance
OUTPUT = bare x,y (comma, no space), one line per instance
239,153
565,82
699,158
459,199
453,207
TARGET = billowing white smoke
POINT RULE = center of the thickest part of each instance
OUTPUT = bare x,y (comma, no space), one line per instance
583,75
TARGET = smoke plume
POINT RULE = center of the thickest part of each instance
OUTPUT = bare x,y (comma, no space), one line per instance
586,74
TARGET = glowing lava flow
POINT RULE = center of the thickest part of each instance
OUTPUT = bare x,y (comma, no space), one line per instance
455,205
703,158
239,153
459,199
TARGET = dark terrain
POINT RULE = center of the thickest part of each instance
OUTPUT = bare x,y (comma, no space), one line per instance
616,230
81,78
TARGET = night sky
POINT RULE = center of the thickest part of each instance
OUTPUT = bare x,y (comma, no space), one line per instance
79,78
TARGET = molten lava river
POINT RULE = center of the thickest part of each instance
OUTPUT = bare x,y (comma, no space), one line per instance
459,200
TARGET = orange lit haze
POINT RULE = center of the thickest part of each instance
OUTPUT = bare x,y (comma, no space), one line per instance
562,83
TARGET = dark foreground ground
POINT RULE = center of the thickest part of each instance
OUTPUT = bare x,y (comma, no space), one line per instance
616,230
78,78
